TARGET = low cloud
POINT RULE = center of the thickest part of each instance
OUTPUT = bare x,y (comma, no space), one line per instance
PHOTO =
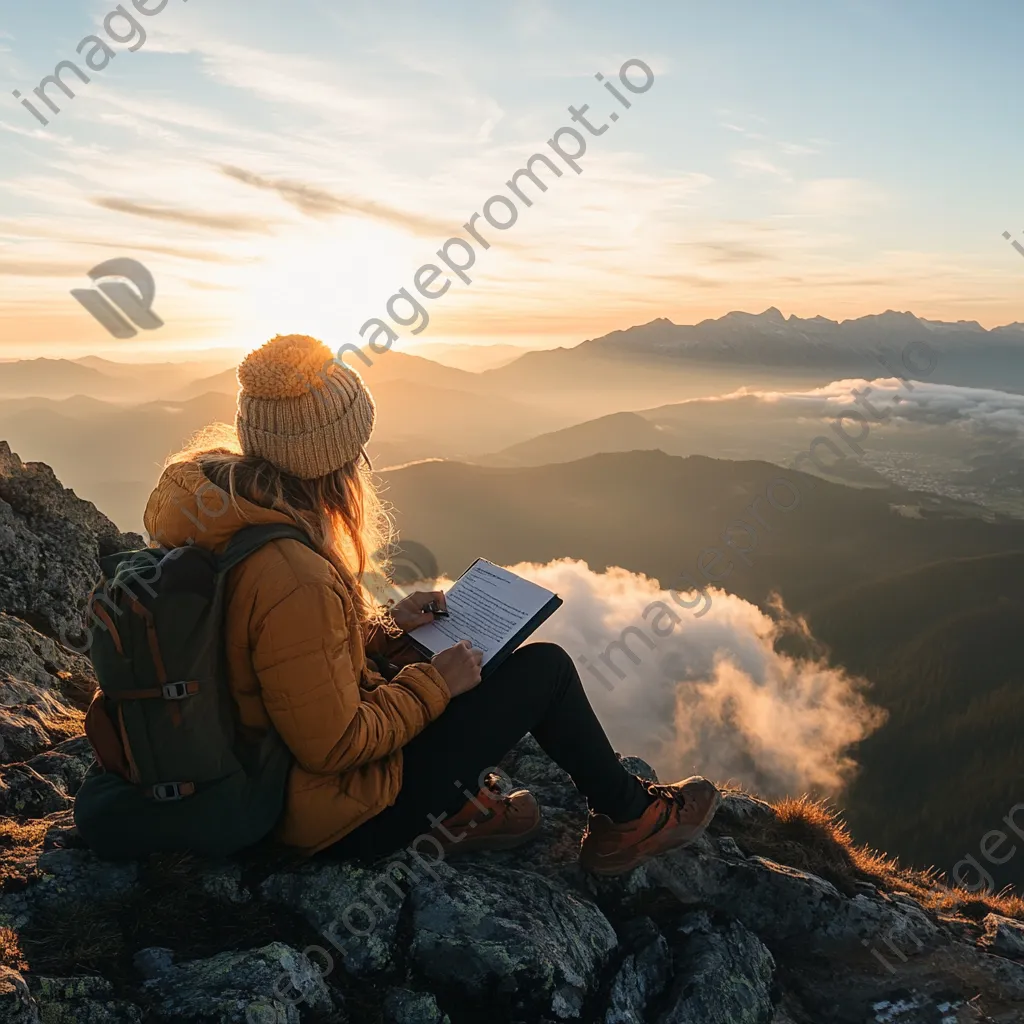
984,409
714,696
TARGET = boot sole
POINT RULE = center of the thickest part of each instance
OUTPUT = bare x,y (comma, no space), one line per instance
612,870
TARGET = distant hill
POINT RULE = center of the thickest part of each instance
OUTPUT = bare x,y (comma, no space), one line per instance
223,383
112,452
941,644
98,378
55,378
655,513
166,372
737,427
958,445
434,421
392,365
619,432
473,358
107,452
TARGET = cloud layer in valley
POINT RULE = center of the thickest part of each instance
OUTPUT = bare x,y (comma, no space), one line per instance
714,696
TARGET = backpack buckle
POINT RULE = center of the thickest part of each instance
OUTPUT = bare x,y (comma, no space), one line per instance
176,691
172,790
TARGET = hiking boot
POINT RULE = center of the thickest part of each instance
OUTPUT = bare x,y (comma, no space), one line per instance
676,817
492,822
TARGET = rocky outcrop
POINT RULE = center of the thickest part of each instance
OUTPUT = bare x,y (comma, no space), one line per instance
711,935
30,657
50,542
760,922
1003,936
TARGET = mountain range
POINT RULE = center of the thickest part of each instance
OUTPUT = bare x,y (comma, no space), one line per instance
781,351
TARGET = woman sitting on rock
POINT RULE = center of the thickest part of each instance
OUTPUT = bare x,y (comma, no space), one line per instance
379,762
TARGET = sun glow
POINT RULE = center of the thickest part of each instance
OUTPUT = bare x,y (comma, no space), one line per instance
327,282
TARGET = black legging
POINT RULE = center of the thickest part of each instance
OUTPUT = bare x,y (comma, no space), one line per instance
537,690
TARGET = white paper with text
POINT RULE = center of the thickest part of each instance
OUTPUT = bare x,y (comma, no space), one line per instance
487,605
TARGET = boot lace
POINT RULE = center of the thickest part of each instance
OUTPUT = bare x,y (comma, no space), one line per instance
662,791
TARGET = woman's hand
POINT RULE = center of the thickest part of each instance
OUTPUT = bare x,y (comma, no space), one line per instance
460,666
409,613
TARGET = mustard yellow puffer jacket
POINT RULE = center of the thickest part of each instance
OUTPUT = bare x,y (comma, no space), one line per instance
297,661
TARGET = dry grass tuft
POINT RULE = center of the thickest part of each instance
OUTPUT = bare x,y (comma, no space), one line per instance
811,836
20,842
11,954
78,938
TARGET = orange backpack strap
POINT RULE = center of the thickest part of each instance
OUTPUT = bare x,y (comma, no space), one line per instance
105,737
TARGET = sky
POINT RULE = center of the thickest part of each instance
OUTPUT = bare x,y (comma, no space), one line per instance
286,168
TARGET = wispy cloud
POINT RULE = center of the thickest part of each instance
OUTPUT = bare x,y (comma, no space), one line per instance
196,218
318,202
751,162
38,268
729,252
202,255
839,196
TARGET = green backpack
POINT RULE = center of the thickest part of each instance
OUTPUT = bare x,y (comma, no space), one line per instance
176,770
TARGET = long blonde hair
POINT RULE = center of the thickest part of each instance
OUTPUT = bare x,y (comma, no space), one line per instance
341,513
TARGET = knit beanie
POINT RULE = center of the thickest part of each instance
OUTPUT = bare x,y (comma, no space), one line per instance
300,409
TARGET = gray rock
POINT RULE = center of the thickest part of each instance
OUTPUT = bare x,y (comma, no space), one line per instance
912,1007
224,882
509,935
16,1003
781,903
742,809
67,877
61,832
50,545
33,720
639,767
250,987
24,793
724,977
29,656
85,1000
782,1016
69,761
641,976
45,783
353,907
526,763
153,961
728,847
402,1006
1003,936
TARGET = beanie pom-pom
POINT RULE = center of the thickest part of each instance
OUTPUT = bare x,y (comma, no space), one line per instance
287,366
